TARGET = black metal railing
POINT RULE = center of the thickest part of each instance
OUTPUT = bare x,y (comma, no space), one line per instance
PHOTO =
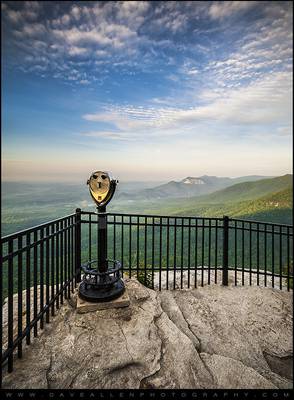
166,252
41,266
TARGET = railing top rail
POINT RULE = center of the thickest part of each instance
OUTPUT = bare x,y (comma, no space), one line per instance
261,222
152,215
187,217
44,225
34,228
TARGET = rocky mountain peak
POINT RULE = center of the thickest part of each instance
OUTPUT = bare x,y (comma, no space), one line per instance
193,181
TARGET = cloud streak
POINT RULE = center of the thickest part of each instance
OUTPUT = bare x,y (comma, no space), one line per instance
265,102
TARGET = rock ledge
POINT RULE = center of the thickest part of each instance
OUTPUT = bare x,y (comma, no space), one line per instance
209,337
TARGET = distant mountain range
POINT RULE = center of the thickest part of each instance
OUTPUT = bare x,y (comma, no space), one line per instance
267,200
188,187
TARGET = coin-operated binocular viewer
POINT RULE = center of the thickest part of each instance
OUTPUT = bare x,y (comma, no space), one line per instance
102,279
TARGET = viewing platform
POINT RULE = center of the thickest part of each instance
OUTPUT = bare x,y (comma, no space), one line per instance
225,263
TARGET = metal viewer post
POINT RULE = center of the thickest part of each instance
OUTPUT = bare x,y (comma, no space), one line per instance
102,239
101,283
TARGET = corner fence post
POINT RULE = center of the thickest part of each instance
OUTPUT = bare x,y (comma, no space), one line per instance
225,249
78,245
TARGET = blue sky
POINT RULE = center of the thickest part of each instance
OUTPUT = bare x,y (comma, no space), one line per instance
147,90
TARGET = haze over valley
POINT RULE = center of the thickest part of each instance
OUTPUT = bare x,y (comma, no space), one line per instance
25,204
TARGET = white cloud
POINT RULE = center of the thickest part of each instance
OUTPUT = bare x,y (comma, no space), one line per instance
77,51
75,11
14,16
224,9
132,13
267,101
33,30
109,135
171,17
32,5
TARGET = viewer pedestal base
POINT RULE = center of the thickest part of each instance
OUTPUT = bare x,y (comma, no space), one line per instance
84,306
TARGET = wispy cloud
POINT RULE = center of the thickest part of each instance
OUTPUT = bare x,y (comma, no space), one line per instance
147,36
225,9
266,101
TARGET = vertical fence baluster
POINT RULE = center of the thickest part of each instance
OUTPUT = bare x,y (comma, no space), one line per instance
236,261
167,253
225,250
122,243
114,237
42,278
209,249
288,261
61,261
97,236
35,283
77,239
52,268
216,249
47,273
265,255
280,259
196,254
243,252
257,252
145,252
182,250
152,254
68,257
160,246
19,298
10,306
1,311
90,238
202,252
65,259
273,256
130,248
250,253
57,263
175,252
189,251
28,288
138,247
74,247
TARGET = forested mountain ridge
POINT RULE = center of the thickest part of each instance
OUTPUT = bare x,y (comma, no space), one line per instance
187,187
267,200
249,190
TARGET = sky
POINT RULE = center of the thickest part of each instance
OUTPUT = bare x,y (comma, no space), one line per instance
150,91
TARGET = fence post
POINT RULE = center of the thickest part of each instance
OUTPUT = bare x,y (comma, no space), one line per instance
78,245
225,249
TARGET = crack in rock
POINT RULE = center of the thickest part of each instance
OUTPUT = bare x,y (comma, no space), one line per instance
144,382
199,349
48,371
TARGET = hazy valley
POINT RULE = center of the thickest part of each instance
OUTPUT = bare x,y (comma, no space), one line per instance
254,197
